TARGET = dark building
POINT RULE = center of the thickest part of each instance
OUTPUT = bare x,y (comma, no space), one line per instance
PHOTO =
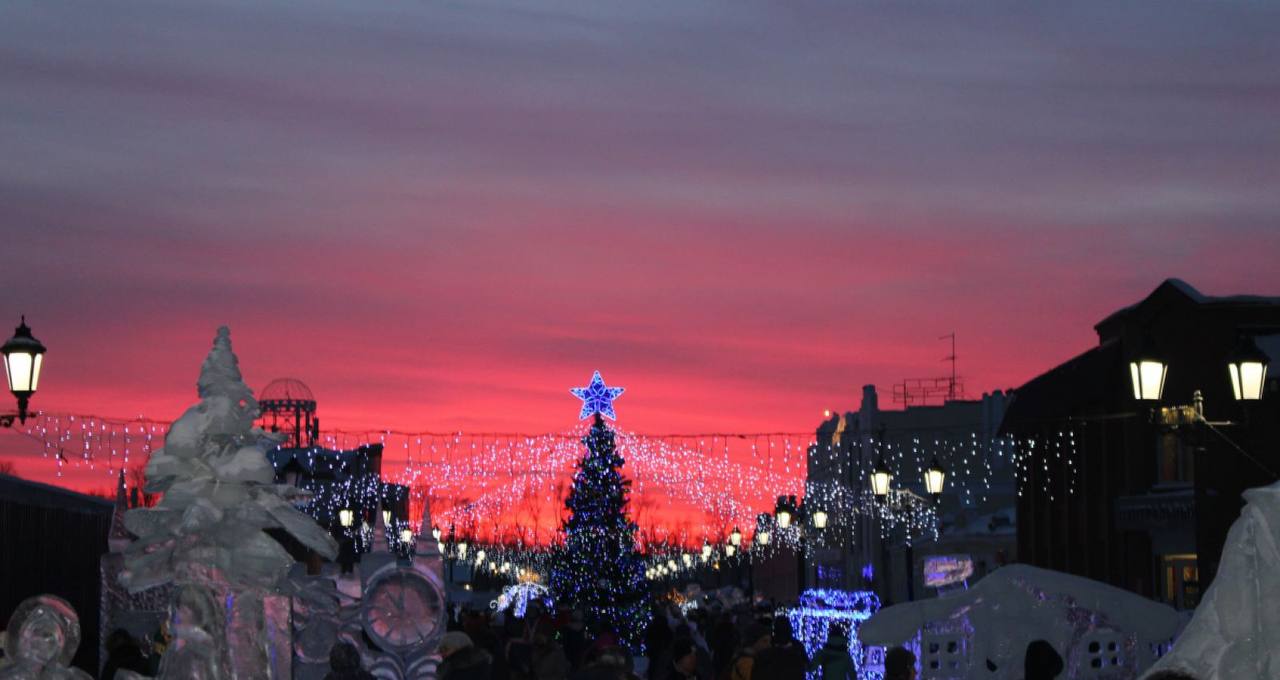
53,540
976,510
1146,496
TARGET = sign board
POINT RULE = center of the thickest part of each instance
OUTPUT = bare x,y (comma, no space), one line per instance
945,570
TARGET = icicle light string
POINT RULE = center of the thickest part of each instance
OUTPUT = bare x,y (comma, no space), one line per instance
688,487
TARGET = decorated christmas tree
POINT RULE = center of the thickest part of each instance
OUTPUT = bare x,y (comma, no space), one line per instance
599,570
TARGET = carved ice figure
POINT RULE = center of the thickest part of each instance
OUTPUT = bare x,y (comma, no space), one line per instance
196,625
209,528
43,635
1235,632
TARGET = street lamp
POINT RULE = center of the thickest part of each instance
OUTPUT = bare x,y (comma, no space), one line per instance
880,477
730,550
762,537
23,357
735,538
346,517
783,512
706,551
386,517
819,519
1247,366
1147,371
934,476
435,532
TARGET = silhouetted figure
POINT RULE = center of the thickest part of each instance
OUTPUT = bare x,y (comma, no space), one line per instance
784,658
833,661
344,663
899,664
1042,661
461,659
682,663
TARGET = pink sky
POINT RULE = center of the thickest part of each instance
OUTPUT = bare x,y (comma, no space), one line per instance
443,217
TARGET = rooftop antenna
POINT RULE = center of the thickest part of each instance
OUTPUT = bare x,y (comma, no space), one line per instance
951,389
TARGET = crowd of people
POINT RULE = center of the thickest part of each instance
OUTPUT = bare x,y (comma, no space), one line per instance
700,644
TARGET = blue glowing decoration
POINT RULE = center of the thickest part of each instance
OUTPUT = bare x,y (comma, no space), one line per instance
596,398
517,597
861,601
868,572
820,611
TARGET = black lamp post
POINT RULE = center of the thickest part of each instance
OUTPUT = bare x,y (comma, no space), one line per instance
23,358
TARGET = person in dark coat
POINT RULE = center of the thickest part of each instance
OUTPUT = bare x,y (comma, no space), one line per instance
833,662
344,663
682,663
462,659
784,658
1042,661
899,664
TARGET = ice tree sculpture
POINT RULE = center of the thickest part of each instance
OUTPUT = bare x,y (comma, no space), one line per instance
209,529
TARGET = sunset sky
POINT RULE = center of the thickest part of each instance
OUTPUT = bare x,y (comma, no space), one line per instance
445,215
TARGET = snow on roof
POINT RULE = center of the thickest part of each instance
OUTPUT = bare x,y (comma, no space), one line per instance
1019,603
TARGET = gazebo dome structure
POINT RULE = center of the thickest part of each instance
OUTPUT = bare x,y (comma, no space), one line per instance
288,406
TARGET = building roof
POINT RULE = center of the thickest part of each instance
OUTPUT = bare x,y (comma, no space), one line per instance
1067,388
27,492
319,462
1179,289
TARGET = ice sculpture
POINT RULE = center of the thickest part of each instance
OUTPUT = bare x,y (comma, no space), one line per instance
1235,632
208,536
983,632
42,637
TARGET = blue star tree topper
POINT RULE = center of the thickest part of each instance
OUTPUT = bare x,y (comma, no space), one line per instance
597,398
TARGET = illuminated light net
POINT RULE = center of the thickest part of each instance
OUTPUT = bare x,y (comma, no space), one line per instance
508,489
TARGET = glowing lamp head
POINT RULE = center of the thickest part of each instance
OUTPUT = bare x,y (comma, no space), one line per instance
435,533
346,517
735,538
730,550
671,564
762,537
462,549
1147,371
826,413
406,535
386,517
706,551
819,519
23,358
880,478
687,559
1248,370
784,518
934,477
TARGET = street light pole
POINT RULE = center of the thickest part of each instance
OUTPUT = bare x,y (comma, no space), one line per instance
23,359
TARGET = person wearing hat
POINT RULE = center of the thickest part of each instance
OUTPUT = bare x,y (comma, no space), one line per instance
462,659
